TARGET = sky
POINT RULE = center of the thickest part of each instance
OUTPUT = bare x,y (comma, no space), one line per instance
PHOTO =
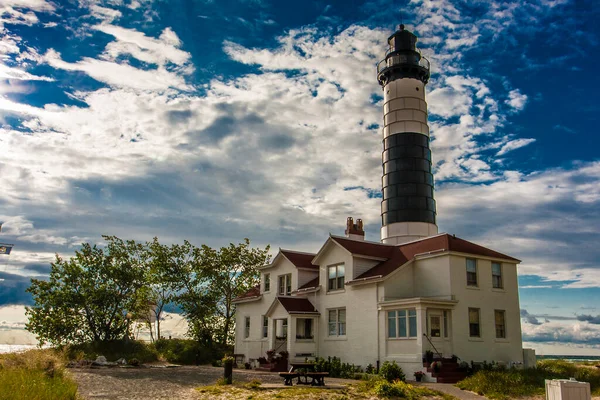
213,121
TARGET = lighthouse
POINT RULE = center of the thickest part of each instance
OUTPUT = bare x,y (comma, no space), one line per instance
408,210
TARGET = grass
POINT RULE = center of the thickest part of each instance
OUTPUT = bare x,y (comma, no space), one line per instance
369,389
508,384
35,375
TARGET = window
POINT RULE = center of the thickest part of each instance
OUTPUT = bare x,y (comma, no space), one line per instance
500,324
267,282
265,329
284,327
336,277
304,328
445,324
402,323
435,326
474,322
285,284
471,272
497,275
246,327
337,322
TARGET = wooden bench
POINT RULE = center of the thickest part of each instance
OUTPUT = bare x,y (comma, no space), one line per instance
288,377
318,378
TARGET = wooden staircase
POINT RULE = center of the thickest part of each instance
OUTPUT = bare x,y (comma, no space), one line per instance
449,373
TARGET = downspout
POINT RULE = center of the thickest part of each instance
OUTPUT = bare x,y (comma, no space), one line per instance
377,306
318,330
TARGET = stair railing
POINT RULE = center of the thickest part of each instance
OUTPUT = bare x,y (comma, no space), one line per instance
432,345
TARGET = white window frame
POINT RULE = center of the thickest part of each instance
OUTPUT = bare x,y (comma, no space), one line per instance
287,285
267,283
406,317
500,276
265,326
478,322
339,326
338,281
472,272
302,335
503,312
246,327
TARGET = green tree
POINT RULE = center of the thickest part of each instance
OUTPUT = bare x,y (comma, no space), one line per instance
89,296
232,271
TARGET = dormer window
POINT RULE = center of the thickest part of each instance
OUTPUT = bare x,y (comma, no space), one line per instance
267,282
335,275
285,285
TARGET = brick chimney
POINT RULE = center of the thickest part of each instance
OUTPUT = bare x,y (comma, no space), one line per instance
354,231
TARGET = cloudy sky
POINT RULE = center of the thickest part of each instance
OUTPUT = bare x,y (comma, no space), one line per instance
217,120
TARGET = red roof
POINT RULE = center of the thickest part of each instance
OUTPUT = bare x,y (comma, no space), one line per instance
369,249
403,253
300,260
254,292
311,284
297,305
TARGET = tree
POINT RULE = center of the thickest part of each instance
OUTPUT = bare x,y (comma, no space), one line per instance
89,296
158,291
232,270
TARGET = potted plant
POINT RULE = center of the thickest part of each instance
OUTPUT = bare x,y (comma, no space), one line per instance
454,358
247,365
419,375
270,355
428,356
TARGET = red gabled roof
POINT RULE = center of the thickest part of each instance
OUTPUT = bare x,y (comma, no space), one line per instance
300,260
311,284
297,305
401,254
369,249
253,292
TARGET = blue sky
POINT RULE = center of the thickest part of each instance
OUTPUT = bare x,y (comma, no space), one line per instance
217,120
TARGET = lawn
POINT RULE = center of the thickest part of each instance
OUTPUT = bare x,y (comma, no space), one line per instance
367,389
512,383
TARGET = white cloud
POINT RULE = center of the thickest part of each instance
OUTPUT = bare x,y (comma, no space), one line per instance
513,145
516,100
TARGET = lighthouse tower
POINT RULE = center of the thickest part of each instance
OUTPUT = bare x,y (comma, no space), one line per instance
408,208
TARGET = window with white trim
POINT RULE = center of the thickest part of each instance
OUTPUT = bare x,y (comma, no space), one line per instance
337,322
402,323
499,319
265,327
497,275
304,328
471,272
335,275
246,327
285,285
267,282
474,328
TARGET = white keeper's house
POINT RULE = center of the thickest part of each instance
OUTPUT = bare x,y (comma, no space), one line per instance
414,291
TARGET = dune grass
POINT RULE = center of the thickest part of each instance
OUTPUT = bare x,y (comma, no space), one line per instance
35,375
512,383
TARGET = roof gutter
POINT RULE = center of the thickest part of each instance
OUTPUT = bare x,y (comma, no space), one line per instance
360,281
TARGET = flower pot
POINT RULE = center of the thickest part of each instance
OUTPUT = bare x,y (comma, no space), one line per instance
418,378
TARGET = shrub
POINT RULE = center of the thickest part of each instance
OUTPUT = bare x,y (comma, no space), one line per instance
185,351
336,368
400,389
112,350
35,374
370,369
390,371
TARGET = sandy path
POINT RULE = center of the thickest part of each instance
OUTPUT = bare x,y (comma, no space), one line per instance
154,383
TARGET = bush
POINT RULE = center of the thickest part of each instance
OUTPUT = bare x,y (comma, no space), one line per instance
336,368
189,352
390,371
112,350
399,389
35,374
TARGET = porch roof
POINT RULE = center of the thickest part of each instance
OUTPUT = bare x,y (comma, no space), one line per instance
294,305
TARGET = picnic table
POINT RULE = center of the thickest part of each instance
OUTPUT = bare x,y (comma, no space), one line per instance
304,371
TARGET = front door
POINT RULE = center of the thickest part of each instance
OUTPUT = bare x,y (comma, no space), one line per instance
438,331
